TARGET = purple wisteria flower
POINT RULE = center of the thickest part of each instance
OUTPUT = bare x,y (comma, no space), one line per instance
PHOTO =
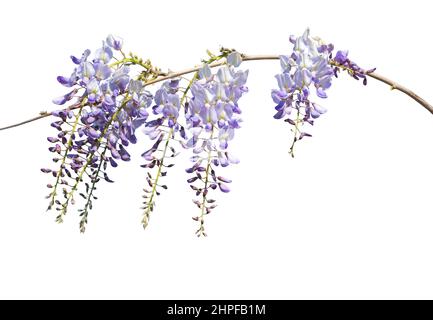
115,42
167,102
163,128
212,116
165,110
117,104
309,68
110,106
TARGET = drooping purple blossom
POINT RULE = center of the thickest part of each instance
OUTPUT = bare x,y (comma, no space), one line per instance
309,68
162,127
115,42
212,116
110,107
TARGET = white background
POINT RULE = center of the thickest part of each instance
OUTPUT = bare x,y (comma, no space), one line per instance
350,217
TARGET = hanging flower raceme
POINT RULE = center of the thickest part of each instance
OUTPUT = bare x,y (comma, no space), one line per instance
107,107
162,129
212,118
310,68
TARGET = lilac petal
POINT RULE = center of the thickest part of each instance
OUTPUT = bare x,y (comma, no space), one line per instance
59,113
191,180
52,139
190,170
60,100
124,155
278,95
279,114
63,99
84,57
133,139
115,42
223,161
292,39
106,178
204,73
304,134
112,139
57,125
102,71
292,122
182,132
75,60
143,113
224,188
285,64
321,93
234,123
224,179
154,123
234,59
298,78
317,110
232,159
314,114
224,74
307,77
213,186
64,81
114,153
104,54
88,70
280,106
92,133
341,56
191,142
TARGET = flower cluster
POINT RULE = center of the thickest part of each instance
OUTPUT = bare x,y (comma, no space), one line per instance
310,67
163,129
97,127
212,118
106,107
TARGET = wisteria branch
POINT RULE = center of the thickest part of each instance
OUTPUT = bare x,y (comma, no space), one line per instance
108,101
171,75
